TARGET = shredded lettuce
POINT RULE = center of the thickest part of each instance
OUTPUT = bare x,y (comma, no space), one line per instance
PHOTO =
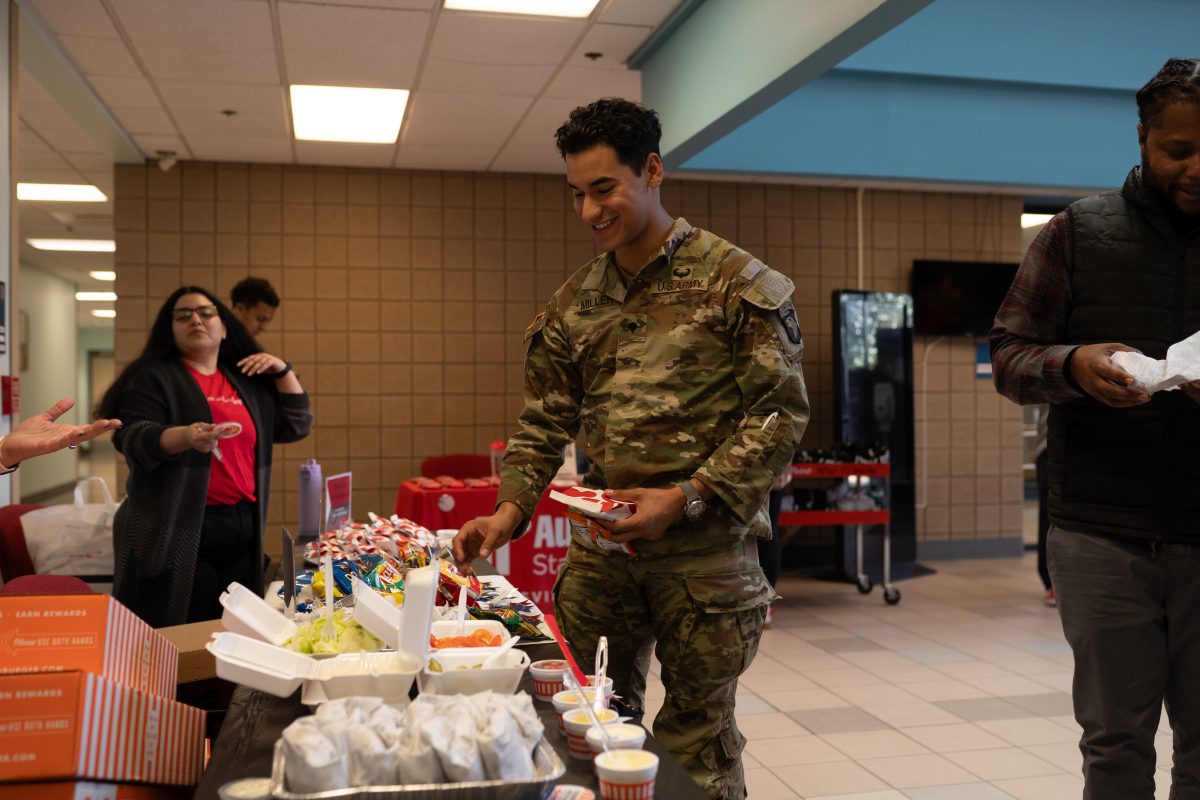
351,636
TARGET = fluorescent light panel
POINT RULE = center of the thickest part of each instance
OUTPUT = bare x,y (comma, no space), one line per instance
541,8
60,192
103,274
96,297
104,313
346,114
1033,220
75,245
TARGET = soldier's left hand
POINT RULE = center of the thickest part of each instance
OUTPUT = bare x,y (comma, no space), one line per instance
657,509
1192,390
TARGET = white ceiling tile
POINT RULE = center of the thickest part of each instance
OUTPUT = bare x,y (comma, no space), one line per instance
222,40
455,77
615,43
485,39
71,141
125,92
32,92
150,145
464,120
75,17
145,120
451,158
639,12
585,85
415,5
182,96
212,148
344,154
338,46
44,119
44,162
215,124
90,163
105,57
30,142
526,159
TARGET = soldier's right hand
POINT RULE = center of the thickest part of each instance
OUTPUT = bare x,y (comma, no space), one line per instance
1103,380
480,537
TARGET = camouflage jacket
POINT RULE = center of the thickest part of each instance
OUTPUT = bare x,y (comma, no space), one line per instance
692,369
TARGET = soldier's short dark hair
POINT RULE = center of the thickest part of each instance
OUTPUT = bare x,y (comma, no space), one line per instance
627,127
1179,79
249,292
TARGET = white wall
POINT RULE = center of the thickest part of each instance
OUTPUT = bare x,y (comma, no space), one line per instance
90,339
52,369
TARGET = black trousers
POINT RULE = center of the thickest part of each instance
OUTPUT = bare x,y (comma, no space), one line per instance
1043,486
1130,610
228,552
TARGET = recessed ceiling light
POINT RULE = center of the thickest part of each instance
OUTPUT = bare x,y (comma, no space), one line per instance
541,8
96,297
60,192
346,114
103,274
75,245
1033,220
104,313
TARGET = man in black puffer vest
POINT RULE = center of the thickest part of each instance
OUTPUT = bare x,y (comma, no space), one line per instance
1121,271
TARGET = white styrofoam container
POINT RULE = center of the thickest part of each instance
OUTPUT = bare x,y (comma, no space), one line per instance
280,672
502,679
248,614
442,628
377,614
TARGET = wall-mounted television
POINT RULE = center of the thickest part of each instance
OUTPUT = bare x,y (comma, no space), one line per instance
956,298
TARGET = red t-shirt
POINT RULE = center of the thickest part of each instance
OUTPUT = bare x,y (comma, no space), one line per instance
232,476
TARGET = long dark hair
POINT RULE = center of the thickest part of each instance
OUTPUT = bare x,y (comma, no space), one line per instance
237,344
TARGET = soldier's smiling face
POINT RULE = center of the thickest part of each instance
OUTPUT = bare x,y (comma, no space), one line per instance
615,202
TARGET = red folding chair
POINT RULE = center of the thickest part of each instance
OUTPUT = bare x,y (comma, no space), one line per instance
14,555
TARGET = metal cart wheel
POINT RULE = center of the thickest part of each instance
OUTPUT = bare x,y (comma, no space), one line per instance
891,595
864,584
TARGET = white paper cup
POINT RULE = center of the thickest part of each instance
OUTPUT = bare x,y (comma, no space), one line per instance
627,774
566,700
577,722
608,686
621,736
547,678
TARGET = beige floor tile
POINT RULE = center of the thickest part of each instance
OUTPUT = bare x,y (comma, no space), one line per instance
803,699
945,689
1047,787
1003,763
840,678
762,784
1028,731
881,694
781,681
908,715
904,772
789,751
874,744
889,794
1004,686
954,738
840,777
1064,755
769,726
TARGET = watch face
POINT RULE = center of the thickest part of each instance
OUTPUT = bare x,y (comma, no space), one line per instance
695,509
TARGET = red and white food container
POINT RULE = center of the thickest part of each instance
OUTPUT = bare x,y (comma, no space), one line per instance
627,774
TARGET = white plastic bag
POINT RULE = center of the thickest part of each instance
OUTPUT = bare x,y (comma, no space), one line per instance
72,539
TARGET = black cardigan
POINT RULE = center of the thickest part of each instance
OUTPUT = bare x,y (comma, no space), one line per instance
156,531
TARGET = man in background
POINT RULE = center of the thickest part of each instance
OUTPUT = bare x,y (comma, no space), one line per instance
1115,272
254,303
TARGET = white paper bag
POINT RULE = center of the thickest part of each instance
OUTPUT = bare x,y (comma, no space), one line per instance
72,539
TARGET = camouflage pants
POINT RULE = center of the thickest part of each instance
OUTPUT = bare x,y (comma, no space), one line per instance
702,613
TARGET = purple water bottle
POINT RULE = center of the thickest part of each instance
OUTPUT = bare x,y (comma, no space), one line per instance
310,499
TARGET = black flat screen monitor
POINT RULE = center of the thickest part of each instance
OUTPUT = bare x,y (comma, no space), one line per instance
954,298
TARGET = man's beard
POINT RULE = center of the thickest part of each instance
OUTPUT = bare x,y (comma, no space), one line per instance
1162,190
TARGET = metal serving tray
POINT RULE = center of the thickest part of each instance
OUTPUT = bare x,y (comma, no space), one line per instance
548,767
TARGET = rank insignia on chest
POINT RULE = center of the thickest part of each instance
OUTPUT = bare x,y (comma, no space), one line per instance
787,315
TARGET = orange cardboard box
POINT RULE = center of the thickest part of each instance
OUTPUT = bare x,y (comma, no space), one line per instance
88,790
91,632
65,725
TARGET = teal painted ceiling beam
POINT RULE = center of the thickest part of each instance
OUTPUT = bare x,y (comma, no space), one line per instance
726,61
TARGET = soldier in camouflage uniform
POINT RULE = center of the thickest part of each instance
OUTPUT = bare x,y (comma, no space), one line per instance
679,354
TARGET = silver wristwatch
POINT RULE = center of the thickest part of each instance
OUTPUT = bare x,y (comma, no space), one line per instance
693,505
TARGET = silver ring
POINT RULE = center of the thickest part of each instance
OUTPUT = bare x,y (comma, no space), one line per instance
71,446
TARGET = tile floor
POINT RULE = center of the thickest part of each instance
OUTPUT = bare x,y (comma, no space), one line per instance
960,692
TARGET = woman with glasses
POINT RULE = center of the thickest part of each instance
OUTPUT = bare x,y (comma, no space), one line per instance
202,406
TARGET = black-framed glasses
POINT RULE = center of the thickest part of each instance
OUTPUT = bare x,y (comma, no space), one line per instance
183,314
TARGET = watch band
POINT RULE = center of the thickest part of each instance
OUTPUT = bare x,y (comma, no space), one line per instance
690,495
287,367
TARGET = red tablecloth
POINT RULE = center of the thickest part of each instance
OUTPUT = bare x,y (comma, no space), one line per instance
530,563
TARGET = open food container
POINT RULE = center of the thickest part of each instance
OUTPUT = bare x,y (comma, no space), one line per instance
280,672
443,628
460,672
248,614
548,768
